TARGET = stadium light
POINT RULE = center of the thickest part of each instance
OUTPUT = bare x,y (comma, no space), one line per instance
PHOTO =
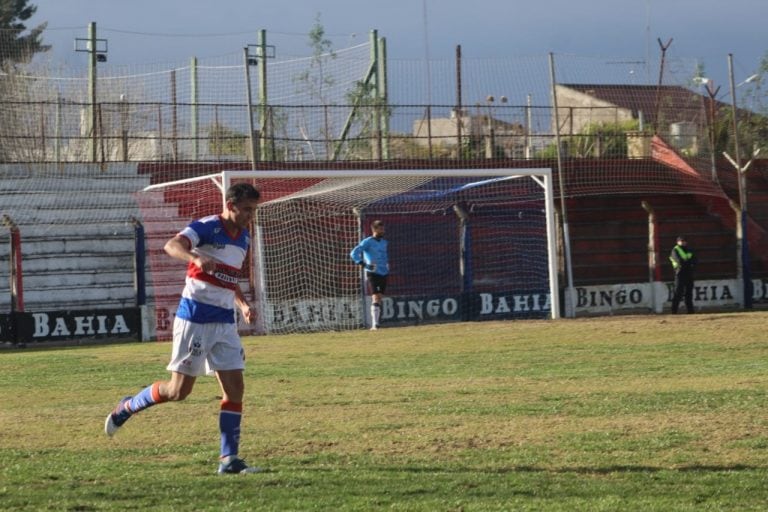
490,144
100,47
257,51
709,84
749,80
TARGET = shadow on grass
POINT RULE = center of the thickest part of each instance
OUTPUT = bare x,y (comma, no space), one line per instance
580,470
696,468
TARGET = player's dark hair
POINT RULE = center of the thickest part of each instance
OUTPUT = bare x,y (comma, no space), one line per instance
377,224
240,191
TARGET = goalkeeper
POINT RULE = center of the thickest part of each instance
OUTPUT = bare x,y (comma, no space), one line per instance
371,253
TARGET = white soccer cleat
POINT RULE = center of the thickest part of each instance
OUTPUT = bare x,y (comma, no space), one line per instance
109,426
117,417
235,465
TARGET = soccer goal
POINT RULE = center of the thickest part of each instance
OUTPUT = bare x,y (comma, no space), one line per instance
464,244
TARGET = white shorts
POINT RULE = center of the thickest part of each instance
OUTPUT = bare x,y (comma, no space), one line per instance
200,349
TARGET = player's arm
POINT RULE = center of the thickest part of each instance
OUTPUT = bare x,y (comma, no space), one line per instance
179,247
357,254
248,312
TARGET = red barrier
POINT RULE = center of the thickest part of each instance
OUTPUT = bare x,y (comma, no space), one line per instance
17,275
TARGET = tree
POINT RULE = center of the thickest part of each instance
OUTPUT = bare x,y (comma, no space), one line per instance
604,140
598,140
315,79
224,141
16,47
315,82
753,114
368,110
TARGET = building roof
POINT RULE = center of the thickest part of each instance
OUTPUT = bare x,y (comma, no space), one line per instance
671,101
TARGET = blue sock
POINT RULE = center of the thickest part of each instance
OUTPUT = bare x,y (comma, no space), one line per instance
147,397
229,425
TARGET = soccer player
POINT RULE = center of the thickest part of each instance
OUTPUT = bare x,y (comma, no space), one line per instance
205,337
371,253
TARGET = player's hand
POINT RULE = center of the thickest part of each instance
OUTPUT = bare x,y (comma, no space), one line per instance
249,314
206,264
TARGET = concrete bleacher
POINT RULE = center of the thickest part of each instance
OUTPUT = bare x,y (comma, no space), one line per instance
707,223
609,236
77,233
609,239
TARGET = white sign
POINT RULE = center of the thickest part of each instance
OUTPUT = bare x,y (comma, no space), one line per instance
657,297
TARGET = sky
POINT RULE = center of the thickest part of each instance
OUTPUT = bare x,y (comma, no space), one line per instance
156,31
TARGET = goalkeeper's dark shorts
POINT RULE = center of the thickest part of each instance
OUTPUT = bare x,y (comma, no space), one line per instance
377,282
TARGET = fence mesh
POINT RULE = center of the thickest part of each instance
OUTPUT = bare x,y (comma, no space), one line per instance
354,104
625,127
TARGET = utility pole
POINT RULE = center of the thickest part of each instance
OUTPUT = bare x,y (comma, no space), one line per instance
740,175
459,108
97,52
92,86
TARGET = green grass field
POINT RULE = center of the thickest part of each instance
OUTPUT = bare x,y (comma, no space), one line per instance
646,413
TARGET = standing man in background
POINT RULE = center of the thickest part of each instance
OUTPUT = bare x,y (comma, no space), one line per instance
371,253
205,337
683,262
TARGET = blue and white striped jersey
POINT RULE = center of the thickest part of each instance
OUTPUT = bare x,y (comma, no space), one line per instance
210,297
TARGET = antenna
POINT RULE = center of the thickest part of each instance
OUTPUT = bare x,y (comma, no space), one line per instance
648,41
426,50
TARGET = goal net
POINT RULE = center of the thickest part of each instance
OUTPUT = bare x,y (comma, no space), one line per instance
463,245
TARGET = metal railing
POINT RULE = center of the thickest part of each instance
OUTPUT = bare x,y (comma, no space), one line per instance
58,131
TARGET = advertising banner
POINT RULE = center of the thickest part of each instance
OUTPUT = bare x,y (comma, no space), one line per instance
655,297
107,324
7,333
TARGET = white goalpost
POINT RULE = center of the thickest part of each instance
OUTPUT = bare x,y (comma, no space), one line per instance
465,244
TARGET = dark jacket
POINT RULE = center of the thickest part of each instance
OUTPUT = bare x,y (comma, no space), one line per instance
683,259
